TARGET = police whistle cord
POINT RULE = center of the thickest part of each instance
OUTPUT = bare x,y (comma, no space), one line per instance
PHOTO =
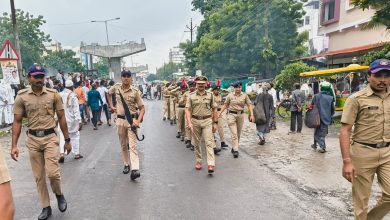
129,118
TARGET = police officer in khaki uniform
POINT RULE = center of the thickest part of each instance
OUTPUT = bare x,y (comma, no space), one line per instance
39,105
188,133
166,102
202,117
127,137
180,112
218,100
7,208
172,102
367,152
235,104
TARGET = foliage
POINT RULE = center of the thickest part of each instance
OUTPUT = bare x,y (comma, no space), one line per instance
151,77
384,53
31,38
290,75
382,14
191,56
63,60
165,72
207,6
102,67
247,37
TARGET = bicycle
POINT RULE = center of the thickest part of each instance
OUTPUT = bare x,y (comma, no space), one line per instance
283,108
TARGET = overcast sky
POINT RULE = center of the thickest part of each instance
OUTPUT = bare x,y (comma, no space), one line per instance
161,22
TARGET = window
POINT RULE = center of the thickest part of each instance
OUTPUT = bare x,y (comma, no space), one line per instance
307,20
330,11
349,5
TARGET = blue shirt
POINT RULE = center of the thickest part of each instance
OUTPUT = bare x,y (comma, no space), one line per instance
93,100
325,104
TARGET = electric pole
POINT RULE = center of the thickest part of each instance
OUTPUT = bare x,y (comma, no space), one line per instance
191,30
16,36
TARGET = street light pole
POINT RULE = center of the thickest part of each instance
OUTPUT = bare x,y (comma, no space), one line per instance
105,22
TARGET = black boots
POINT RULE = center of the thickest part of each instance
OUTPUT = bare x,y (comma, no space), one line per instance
135,174
62,204
45,214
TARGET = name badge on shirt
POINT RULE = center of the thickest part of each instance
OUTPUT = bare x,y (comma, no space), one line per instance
373,107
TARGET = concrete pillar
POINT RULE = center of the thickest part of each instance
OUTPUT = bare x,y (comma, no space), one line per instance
115,66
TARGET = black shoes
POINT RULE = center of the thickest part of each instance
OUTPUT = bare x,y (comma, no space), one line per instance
188,144
224,145
192,147
171,122
62,204
45,214
62,159
217,150
262,141
178,135
182,138
134,174
235,153
126,169
164,118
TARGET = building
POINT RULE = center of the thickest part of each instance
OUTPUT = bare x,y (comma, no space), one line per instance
310,24
344,25
176,55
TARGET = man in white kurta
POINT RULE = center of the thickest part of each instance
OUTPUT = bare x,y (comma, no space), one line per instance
9,118
3,103
73,119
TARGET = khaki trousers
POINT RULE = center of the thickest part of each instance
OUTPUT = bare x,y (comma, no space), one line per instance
367,161
220,128
128,142
166,108
44,154
180,120
204,128
188,134
235,123
172,110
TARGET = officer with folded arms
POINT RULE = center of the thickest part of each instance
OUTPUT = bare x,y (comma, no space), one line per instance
39,105
367,151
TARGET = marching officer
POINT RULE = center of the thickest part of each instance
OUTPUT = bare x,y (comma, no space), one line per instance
367,151
188,133
218,100
180,115
172,102
235,104
166,102
202,116
127,138
39,105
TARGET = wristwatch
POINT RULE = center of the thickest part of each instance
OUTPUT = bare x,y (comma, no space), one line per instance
67,139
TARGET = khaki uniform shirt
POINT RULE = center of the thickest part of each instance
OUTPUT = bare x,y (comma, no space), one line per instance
370,115
218,100
131,96
166,92
237,103
201,105
38,108
181,101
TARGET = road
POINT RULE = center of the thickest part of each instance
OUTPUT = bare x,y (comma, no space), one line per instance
169,187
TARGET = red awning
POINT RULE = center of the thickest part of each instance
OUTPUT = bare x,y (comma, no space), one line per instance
349,50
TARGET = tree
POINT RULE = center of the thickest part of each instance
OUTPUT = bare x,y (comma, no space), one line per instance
382,14
63,60
152,77
207,6
31,38
384,53
102,67
191,56
165,72
290,75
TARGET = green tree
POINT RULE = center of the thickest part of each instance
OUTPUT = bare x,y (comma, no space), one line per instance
31,38
165,72
207,6
290,75
384,53
152,77
191,56
63,60
382,14
102,67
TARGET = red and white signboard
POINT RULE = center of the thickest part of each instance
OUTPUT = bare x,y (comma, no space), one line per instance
8,62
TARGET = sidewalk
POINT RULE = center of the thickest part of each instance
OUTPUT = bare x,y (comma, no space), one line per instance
292,158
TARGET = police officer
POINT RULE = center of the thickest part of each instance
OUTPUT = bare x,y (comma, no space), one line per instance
127,137
202,117
166,102
235,104
188,133
39,105
218,100
180,112
7,208
368,151
172,101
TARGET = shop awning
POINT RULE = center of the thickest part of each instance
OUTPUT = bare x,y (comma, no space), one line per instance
351,68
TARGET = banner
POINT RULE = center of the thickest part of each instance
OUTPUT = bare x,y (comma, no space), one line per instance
10,72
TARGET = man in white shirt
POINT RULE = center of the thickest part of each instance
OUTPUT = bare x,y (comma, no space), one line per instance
86,90
3,102
103,93
73,120
9,118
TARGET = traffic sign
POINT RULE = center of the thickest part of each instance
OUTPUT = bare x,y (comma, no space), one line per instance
8,52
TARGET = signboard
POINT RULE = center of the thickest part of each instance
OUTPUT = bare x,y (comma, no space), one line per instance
10,71
8,52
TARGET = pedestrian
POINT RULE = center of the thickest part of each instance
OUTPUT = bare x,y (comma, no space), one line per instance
273,93
94,102
103,93
298,100
73,120
218,100
126,131
264,103
7,208
81,97
201,114
324,101
3,103
40,104
367,151
188,134
86,89
234,104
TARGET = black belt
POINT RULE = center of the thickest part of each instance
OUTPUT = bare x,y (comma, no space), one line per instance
181,106
235,112
380,145
41,133
201,117
219,109
124,117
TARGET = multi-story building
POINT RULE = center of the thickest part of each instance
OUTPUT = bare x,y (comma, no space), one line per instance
344,25
176,55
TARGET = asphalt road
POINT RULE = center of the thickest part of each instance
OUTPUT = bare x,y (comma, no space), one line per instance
169,187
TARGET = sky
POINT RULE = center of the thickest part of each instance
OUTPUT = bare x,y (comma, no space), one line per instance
162,23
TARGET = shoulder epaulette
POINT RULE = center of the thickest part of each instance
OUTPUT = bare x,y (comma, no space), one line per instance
51,90
22,91
357,94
